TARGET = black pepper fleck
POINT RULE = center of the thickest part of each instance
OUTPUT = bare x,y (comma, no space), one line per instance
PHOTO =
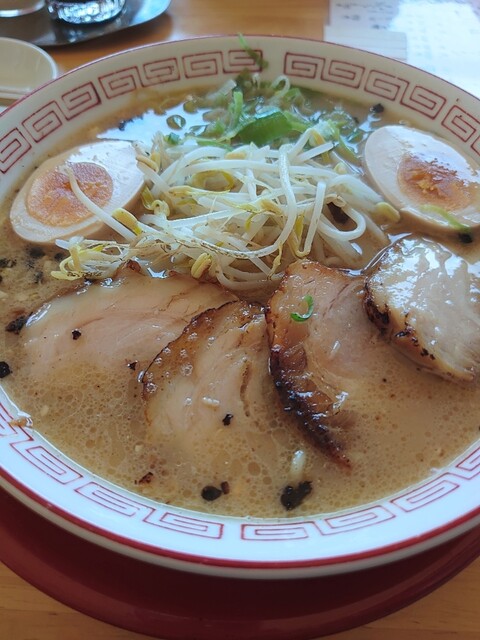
7,263
4,369
132,365
15,325
465,238
292,497
76,333
227,419
211,493
36,252
377,108
123,123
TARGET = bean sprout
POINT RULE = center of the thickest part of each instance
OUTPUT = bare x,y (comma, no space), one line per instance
239,215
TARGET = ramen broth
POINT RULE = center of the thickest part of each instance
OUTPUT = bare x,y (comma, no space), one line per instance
408,424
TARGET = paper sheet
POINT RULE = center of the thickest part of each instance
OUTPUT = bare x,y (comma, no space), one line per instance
440,36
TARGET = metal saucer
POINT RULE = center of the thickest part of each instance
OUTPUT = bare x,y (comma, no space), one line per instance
39,29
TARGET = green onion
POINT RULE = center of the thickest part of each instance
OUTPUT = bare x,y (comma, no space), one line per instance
176,122
215,129
265,128
256,57
172,138
331,131
190,106
301,317
297,124
346,151
462,228
235,109
293,95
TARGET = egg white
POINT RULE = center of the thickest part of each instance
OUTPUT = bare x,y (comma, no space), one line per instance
116,157
386,151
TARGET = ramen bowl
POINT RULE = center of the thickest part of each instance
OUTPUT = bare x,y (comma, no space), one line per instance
420,516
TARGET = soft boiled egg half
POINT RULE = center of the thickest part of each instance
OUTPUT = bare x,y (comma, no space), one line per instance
425,178
46,209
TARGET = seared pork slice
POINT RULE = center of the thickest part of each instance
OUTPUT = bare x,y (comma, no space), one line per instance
117,322
212,387
313,358
426,301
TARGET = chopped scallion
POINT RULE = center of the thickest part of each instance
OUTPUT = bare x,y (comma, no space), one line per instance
301,317
265,128
254,55
176,122
461,227
172,138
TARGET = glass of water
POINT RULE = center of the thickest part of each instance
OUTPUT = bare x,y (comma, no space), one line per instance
84,11
14,8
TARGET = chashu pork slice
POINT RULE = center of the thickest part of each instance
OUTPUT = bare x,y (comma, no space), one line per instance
319,354
212,385
119,321
426,301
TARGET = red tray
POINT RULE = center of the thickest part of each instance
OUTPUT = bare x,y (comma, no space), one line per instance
170,604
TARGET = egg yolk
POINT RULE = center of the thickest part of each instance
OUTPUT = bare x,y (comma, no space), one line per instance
51,200
430,181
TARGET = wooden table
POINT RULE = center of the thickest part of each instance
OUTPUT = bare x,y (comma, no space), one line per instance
452,612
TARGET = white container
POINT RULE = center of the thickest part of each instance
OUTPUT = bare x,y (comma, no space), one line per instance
28,67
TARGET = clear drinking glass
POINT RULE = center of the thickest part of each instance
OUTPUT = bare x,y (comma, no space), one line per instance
84,11
14,8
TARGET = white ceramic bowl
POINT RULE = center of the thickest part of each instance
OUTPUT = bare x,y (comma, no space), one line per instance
441,507
24,67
